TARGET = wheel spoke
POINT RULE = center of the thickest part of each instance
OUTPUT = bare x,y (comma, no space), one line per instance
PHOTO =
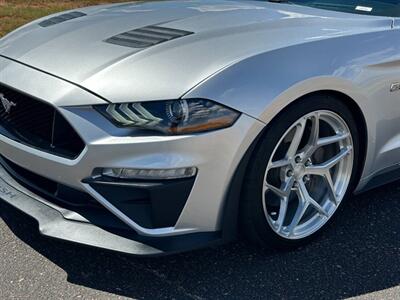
275,190
314,137
314,134
282,213
321,169
279,164
331,187
298,135
285,189
337,158
306,197
332,139
301,209
319,208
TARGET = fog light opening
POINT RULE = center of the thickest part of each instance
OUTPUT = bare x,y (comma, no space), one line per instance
149,174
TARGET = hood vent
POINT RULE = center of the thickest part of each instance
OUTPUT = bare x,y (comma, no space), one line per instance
147,36
61,18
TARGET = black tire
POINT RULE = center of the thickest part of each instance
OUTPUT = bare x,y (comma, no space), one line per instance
253,223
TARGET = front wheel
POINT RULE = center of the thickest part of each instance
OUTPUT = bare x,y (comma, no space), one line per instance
300,172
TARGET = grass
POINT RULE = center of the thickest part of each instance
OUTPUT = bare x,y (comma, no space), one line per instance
14,13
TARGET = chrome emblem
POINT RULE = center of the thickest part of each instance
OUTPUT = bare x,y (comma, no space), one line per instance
395,87
7,104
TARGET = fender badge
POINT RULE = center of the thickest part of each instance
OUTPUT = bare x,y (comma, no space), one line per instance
395,87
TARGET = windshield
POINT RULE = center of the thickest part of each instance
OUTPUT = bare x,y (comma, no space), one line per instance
389,8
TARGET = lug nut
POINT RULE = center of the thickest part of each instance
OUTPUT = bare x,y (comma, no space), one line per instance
289,173
298,159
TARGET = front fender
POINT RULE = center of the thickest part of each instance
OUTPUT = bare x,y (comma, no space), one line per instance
262,85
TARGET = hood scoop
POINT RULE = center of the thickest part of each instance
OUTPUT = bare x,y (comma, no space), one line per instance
61,18
147,36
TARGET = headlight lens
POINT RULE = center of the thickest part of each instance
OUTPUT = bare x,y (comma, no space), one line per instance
171,117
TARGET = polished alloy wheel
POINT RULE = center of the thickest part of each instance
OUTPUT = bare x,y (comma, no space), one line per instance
308,174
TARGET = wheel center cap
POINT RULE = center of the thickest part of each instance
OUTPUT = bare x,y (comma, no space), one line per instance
299,170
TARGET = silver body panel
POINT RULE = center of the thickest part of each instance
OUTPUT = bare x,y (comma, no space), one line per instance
254,56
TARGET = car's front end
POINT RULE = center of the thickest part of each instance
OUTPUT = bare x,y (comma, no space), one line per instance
71,166
130,127
129,164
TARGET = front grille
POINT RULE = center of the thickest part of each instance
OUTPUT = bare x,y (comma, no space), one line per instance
34,123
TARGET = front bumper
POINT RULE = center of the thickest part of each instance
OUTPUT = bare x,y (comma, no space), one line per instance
216,155
64,224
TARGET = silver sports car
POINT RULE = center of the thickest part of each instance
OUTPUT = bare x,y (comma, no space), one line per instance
158,127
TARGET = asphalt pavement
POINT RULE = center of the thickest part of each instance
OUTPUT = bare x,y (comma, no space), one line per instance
357,256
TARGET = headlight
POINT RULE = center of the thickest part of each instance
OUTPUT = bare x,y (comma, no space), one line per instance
171,117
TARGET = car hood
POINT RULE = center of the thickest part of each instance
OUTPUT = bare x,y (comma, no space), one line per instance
224,32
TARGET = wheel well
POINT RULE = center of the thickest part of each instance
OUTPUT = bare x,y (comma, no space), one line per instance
231,206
